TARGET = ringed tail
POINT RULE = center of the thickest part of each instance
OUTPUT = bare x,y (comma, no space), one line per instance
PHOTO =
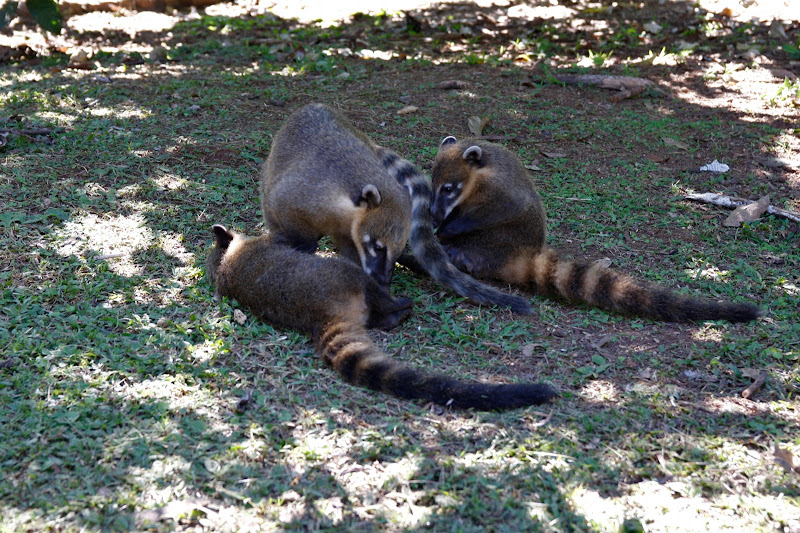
606,288
349,350
426,248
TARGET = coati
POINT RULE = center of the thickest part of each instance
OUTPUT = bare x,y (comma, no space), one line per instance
427,251
491,222
323,177
333,301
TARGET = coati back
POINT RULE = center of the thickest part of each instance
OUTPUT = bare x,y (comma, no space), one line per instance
333,301
492,224
322,178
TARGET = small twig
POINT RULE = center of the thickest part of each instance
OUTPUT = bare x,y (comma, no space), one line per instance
108,256
731,202
571,199
755,386
544,420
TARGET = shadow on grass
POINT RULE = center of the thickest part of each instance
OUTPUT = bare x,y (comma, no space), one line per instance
122,395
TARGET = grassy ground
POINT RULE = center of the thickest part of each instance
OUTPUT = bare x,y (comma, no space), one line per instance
130,399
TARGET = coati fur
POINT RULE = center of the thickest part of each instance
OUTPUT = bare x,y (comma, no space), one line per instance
427,251
491,222
334,301
322,178
325,177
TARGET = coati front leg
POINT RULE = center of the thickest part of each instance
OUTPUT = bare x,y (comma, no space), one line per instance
385,311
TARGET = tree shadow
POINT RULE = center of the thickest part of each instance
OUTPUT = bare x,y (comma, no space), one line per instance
108,401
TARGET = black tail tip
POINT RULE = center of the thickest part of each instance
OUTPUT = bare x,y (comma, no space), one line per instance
743,313
519,306
523,395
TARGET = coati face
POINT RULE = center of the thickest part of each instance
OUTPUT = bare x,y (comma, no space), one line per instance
380,233
450,178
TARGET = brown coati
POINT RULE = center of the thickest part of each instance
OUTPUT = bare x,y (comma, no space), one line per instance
492,224
324,177
334,301
428,253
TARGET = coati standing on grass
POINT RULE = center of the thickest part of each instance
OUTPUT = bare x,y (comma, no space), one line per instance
333,301
323,177
492,224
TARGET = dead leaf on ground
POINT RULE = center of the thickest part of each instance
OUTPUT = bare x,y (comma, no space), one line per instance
658,158
244,401
528,349
785,459
239,317
553,155
598,345
533,166
751,373
669,141
448,85
476,125
407,109
747,213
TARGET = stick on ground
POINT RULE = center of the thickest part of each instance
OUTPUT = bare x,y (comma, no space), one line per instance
731,202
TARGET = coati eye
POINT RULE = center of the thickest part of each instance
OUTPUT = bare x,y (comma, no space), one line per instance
447,188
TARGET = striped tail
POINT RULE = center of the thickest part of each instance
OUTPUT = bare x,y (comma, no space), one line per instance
347,348
427,250
603,287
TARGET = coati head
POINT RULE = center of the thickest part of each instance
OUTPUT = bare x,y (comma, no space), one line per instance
453,176
380,231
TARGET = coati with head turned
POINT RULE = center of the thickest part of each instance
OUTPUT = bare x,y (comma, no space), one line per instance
324,177
492,224
334,301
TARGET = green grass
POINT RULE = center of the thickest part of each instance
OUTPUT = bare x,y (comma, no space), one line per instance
122,376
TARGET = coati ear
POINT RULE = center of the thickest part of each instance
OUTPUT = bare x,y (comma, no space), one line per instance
370,196
447,141
472,154
222,236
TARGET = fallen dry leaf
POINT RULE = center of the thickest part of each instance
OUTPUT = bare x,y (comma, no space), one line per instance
747,213
476,125
408,109
552,155
785,459
669,141
447,85
533,166
239,317
751,373
528,349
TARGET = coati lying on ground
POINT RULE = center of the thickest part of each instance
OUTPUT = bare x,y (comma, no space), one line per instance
492,224
323,177
334,301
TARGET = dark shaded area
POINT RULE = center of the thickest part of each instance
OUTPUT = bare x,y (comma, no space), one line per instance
170,119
